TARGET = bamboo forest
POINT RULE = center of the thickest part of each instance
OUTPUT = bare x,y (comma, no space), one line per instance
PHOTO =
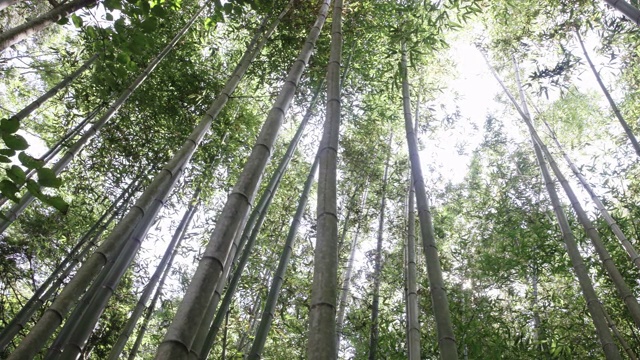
319,179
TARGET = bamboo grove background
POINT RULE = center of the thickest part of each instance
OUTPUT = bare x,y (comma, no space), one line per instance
275,179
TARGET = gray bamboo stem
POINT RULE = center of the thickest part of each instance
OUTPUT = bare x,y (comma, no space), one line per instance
444,327
612,103
346,282
413,324
278,278
321,341
23,31
628,10
377,269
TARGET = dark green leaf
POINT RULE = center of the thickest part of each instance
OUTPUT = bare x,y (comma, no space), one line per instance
15,142
48,178
159,11
7,152
57,202
16,174
77,20
30,162
108,16
9,126
9,189
4,159
149,25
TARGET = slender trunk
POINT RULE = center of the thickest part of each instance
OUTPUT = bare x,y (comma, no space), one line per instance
630,11
53,282
165,263
345,227
224,337
6,3
62,164
446,338
22,114
278,276
156,296
626,244
254,225
163,182
612,104
321,341
413,324
346,282
21,32
377,269
621,340
242,343
607,261
181,332
203,342
593,304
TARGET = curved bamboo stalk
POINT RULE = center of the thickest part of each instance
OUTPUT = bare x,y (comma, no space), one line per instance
321,341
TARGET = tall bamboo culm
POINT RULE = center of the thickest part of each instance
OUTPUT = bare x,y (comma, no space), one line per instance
163,182
444,327
321,342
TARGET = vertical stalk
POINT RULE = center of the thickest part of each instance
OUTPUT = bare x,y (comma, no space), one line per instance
321,343
346,282
278,277
377,270
413,325
446,338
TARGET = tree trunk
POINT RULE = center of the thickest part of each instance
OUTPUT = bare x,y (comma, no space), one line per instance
163,267
252,229
163,182
593,304
377,269
62,164
624,242
278,276
321,341
346,282
21,32
630,11
413,324
606,93
446,338
181,332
